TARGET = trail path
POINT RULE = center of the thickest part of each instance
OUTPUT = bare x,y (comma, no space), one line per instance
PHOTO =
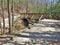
42,33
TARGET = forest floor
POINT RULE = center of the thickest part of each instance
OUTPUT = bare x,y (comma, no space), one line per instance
46,32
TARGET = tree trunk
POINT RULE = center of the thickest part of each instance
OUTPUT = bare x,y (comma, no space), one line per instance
2,6
26,6
9,17
12,9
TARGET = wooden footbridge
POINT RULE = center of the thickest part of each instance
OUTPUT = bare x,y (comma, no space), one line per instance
31,16
11,22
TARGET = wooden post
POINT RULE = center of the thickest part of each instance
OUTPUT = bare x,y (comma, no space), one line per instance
2,6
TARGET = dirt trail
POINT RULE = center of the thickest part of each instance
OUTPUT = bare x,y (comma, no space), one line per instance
42,33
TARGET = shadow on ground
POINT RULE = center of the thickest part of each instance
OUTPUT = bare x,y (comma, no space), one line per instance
45,37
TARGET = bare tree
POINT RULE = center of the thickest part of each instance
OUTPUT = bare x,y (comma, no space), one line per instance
26,1
12,13
0,26
9,17
2,6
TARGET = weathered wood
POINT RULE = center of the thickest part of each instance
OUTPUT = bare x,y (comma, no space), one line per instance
40,17
45,15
